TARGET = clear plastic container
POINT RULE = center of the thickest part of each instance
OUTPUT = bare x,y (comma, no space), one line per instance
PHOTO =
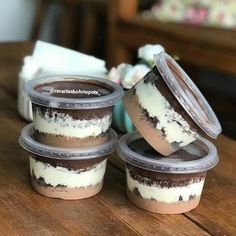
167,185
66,173
168,109
72,111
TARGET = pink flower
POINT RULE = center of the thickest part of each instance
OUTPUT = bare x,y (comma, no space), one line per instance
196,15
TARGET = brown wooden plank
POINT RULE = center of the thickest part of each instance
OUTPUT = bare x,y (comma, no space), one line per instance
217,210
25,211
193,52
206,35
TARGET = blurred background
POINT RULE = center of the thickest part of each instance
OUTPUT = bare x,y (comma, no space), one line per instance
200,33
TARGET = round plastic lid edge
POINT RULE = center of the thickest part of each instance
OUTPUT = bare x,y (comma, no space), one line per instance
72,103
160,61
32,146
129,156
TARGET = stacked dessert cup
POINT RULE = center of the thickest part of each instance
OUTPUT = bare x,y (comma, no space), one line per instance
167,160
70,137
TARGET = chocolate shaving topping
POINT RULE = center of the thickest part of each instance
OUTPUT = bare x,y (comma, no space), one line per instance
192,197
137,193
87,114
164,179
40,181
145,115
151,78
75,165
163,131
61,186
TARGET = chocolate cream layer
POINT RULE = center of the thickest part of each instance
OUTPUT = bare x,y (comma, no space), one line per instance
163,207
65,175
67,193
70,142
164,187
71,128
158,115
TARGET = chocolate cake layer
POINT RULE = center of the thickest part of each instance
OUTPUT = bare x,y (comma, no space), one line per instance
70,142
145,127
185,154
83,114
163,207
67,193
85,164
167,180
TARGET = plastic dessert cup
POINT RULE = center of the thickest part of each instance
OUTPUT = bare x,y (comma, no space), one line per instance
168,109
72,111
66,173
167,185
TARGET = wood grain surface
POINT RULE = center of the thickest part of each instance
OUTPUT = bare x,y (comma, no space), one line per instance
25,212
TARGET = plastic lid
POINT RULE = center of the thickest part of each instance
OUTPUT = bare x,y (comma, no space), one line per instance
188,95
201,155
28,143
45,97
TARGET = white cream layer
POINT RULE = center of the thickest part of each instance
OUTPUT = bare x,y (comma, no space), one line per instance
156,105
61,124
70,178
164,194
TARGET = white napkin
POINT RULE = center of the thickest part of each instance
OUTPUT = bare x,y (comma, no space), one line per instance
48,59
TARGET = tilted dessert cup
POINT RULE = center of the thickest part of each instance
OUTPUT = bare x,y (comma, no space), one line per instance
72,111
167,185
66,173
168,109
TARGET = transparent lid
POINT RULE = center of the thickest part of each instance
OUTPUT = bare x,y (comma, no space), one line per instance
73,92
187,94
201,155
27,142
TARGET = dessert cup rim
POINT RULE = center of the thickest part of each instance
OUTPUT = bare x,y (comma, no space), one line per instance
211,126
27,142
195,166
72,103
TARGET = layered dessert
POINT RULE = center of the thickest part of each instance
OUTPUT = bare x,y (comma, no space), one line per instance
67,179
72,111
167,185
158,116
168,109
164,193
66,173
71,128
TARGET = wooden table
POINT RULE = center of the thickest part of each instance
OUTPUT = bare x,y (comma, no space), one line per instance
24,212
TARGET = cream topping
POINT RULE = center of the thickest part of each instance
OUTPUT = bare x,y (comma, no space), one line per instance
69,178
164,194
176,128
64,124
